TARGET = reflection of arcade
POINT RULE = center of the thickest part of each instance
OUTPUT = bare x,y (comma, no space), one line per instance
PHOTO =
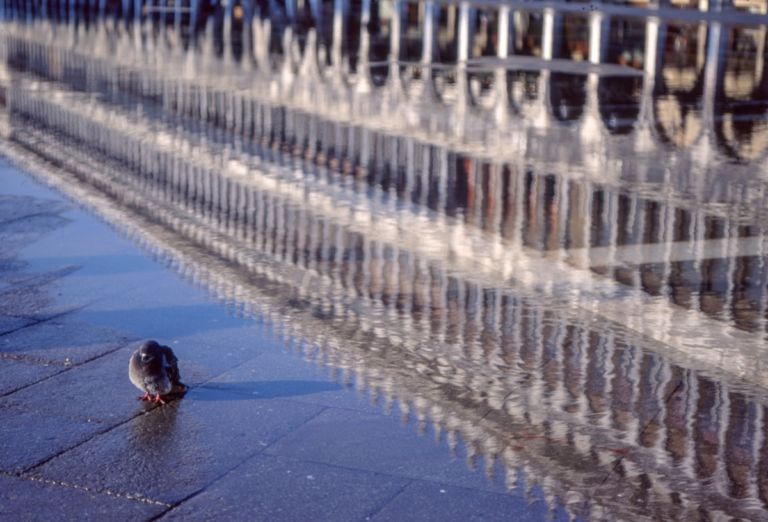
522,378
585,412
704,256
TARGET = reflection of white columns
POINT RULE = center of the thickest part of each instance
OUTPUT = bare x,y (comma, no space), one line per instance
654,42
503,51
505,31
364,82
398,19
599,31
429,37
340,14
465,12
550,33
716,42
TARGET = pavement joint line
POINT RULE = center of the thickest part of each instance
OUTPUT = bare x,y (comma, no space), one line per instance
69,485
244,460
24,386
260,452
37,322
99,433
67,367
387,502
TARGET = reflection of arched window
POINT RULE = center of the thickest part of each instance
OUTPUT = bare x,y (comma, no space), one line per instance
522,87
567,93
740,118
575,42
528,28
619,100
481,88
679,88
305,21
412,36
626,42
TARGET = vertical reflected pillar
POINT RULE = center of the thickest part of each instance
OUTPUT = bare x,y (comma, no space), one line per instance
503,51
551,33
465,32
599,32
654,52
429,36
462,84
340,14
364,81
398,19
717,40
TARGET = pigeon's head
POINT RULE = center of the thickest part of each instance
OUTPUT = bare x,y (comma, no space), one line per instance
149,351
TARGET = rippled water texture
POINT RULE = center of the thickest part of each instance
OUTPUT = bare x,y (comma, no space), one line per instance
541,231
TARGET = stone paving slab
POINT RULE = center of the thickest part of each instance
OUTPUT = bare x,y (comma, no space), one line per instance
277,488
17,374
100,390
24,500
9,323
97,391
30,296
63,340
429,501
378,443
28,438
175,450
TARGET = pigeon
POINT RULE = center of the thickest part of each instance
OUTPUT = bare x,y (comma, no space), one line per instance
154,369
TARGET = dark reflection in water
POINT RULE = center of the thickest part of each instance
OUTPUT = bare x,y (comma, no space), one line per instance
540,232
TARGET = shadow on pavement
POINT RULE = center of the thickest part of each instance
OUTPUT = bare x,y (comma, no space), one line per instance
238,391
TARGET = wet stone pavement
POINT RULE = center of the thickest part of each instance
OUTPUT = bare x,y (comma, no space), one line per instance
262,434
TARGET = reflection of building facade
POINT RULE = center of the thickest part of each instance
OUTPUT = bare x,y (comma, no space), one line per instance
542,391
676,98
611,205
434,273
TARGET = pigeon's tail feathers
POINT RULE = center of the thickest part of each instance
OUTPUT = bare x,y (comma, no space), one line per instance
172,366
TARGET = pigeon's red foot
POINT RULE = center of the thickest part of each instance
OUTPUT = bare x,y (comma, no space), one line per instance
158,400
144,397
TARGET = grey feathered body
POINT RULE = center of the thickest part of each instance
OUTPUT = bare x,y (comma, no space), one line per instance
154,369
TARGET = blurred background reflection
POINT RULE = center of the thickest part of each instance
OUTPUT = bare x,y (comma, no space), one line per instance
540,230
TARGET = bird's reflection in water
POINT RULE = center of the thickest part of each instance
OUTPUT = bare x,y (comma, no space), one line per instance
154,431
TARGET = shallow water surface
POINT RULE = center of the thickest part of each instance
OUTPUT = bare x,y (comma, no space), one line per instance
541,233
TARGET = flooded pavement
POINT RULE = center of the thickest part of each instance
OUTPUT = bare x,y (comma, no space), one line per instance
538,233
